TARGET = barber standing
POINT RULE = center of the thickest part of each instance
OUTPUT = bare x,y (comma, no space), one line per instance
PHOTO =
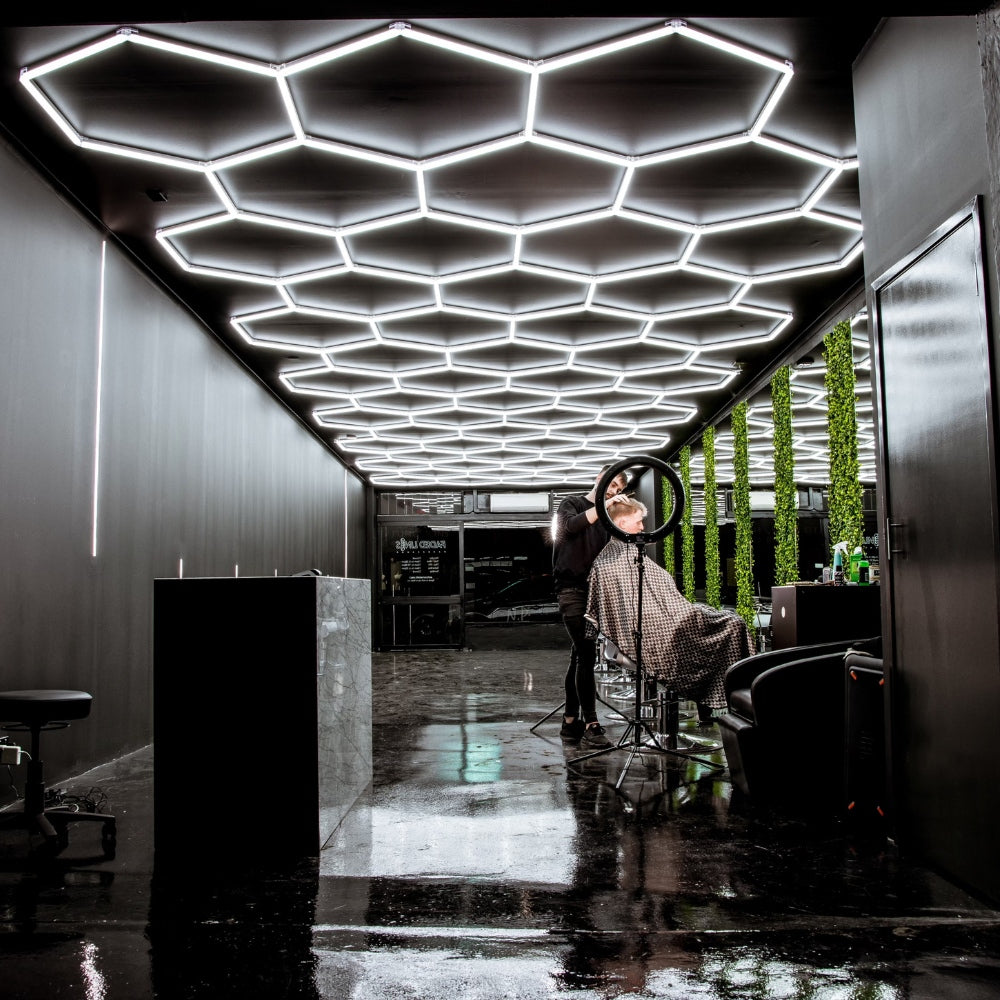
578,538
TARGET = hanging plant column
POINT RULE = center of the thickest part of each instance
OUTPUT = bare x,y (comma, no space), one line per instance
745,607
713,579
687,527
666,509
845,495
786,495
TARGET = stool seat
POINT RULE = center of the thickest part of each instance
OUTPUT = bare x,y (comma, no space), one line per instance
40,707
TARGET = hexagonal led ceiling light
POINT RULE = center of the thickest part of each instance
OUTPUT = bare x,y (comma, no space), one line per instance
582,235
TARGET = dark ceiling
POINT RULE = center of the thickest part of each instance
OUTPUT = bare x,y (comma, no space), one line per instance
472,250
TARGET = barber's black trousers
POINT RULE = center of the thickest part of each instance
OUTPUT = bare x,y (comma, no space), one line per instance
581,691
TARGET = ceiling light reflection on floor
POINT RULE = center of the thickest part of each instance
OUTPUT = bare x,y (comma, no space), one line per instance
532,964
422,840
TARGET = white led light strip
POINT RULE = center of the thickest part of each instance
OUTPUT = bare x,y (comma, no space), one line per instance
98,402
364,345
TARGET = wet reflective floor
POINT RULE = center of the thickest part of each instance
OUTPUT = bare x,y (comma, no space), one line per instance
482,864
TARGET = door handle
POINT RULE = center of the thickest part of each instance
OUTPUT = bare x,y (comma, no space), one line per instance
893,531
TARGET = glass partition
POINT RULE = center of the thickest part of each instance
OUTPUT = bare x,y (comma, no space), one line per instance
508,576
450,562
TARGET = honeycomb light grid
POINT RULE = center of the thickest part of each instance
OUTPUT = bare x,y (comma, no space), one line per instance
551,408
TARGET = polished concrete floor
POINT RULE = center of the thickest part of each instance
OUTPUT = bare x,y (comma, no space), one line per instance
480,865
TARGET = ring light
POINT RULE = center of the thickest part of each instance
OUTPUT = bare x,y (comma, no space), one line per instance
644,462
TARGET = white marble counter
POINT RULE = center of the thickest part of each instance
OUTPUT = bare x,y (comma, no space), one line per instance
343,696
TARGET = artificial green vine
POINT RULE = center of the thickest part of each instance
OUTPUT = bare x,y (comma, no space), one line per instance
745,607
845,494
786,494
666,509
687,527
713,578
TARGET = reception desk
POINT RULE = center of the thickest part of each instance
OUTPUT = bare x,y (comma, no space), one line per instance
261,715
805,614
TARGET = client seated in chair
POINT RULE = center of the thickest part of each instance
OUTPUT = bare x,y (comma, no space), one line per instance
687,647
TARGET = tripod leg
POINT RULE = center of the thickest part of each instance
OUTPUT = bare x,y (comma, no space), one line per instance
546,718
615,711
633,753
598,753
656,741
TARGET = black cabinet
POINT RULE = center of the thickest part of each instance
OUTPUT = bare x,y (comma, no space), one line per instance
261,715
805,614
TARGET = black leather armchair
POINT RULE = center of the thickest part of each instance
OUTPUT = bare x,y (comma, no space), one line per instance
784,728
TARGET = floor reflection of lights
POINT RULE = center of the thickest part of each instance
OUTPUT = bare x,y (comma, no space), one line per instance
495,964
416,840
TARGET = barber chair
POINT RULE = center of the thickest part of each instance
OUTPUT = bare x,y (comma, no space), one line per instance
35,712
784,729
659,706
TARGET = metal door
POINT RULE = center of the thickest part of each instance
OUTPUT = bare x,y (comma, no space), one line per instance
939,502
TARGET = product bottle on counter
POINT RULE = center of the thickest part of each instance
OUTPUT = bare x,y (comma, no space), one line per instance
856,557
838,568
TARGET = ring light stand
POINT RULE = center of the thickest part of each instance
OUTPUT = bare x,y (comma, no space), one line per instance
631,739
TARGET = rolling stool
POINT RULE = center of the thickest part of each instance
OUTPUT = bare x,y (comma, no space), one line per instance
32,712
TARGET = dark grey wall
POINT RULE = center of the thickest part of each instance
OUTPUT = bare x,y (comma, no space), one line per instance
923,147
360,516
198,462
918,108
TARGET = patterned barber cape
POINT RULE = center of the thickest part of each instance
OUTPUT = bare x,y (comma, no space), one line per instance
686,646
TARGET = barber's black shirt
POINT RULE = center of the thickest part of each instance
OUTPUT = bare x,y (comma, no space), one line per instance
576,544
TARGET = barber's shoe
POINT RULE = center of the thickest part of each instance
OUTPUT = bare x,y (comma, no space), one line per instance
594,736
572,730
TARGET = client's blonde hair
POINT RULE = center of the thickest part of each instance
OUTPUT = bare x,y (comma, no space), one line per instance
621,506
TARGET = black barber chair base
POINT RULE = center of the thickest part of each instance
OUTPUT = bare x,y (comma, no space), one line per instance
35,712
668,732
660,714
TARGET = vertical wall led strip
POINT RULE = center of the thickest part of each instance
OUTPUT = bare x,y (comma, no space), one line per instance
180,569
98,393
346,536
